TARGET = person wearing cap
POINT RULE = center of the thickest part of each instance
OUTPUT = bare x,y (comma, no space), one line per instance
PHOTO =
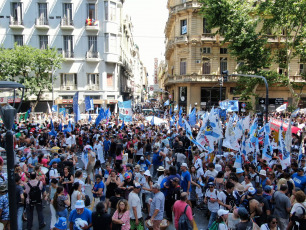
157,160
245,221
157,207
127,185
32,162
179,208
250,203
299,179
144,163
80,212
135,208
239,174
221,220
160,174
211,199
185,178
61,224
4,206
55,159
263,180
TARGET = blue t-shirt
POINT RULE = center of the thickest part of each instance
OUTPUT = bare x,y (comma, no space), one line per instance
157,159
144,164
185,177
4,205
86,215
57,160
106,145
97,187
299,181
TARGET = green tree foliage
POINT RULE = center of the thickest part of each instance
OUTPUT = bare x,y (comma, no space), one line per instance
244,25
31,67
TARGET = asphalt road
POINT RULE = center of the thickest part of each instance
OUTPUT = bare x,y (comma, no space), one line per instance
200,219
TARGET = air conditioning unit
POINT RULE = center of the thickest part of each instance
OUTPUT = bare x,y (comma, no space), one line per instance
198,61
68,88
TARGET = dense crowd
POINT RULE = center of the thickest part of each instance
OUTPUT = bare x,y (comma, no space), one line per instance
139,175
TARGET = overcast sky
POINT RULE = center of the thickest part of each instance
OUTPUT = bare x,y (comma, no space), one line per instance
149,19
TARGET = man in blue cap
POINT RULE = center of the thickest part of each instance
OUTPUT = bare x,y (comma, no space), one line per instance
61,224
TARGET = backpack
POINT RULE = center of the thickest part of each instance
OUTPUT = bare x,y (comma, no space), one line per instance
35,194
214,226
230,199
298,223
184,222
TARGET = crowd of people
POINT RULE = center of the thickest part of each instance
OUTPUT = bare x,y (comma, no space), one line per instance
139,175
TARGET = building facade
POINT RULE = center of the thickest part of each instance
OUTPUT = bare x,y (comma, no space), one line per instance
89,35
195,57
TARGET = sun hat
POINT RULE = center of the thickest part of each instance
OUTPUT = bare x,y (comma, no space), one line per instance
79,204
239,170
263,172
61,224
240,188
222,212
161,168
147,173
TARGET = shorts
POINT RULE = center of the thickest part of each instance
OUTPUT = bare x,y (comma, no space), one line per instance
140,225
147,154
90,168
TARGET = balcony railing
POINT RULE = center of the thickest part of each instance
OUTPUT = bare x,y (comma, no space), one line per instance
169,79
68,87
66,22
91,54
41,22
91,22
68,54
16,22
92,87
185,6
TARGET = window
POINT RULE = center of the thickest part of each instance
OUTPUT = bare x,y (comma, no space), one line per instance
110,43
42,12
182,96
223,50
91,12
211,96
69,80
92,44
17,12
206,66
43,42
205,27
183,66
18,39
303,66
67,11
110,11
110,81
184,26
68,46
223,64
205,50
93,79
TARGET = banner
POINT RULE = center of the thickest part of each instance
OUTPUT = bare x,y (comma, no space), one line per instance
125,110
230,106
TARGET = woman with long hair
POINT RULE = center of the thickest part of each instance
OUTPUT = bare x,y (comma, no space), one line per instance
222,219
111,183
121,217
194,185
271,224
147,188
220,181
67,180
61,202
43,161
76,194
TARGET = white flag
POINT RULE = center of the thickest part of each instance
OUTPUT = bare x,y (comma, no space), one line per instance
288,137
281,108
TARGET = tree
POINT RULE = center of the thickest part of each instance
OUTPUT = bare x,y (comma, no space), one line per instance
244,26
31,67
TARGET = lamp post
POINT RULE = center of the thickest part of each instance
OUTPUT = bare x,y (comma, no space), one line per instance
8,114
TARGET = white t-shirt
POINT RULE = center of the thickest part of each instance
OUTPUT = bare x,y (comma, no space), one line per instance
212,206
209,173
167,166
266,227
296,205
222,226
200,172
198,163
246,185
134,201
53,173
80,182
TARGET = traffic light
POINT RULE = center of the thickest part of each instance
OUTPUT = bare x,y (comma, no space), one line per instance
260,119
225,75
221,81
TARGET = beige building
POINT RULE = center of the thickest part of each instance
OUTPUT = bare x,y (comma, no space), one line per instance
195,57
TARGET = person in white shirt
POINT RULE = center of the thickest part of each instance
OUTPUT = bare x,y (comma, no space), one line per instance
53,173
169,160
247,182
211,199
135,206
211,172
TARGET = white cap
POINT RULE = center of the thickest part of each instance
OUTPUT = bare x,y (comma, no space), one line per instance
147,173
263,172
80,204
184,165
222,212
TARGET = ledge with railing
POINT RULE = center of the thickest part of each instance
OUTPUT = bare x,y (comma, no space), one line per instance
92,54
66,22
68,54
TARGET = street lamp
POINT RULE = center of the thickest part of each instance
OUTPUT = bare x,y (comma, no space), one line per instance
8,114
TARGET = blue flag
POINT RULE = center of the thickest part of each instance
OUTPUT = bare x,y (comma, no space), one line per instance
89,104
99,117
193,117
76,108
122,126
152,121
52,132
89,118
167,103
125,110
170,112
54,108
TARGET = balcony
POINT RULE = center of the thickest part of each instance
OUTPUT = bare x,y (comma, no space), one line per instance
91,25
125,89
68,55
183,39
206,78
208,37
191,6
68,87
92,87
16,23
92,56
42,23
67,24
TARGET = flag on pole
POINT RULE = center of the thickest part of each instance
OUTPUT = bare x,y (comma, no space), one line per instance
152,121
170,112
54,108
27,114
89,104
295,112
288,137
99,117
122,126
238,161
281,108
49,109
283,154
76,108
167,103
189,112
89,118
175,108
193,117
125,110
52,132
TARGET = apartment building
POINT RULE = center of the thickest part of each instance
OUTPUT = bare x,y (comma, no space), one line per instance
88,33
195,57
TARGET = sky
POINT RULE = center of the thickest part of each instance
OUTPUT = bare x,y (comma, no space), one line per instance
149,18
